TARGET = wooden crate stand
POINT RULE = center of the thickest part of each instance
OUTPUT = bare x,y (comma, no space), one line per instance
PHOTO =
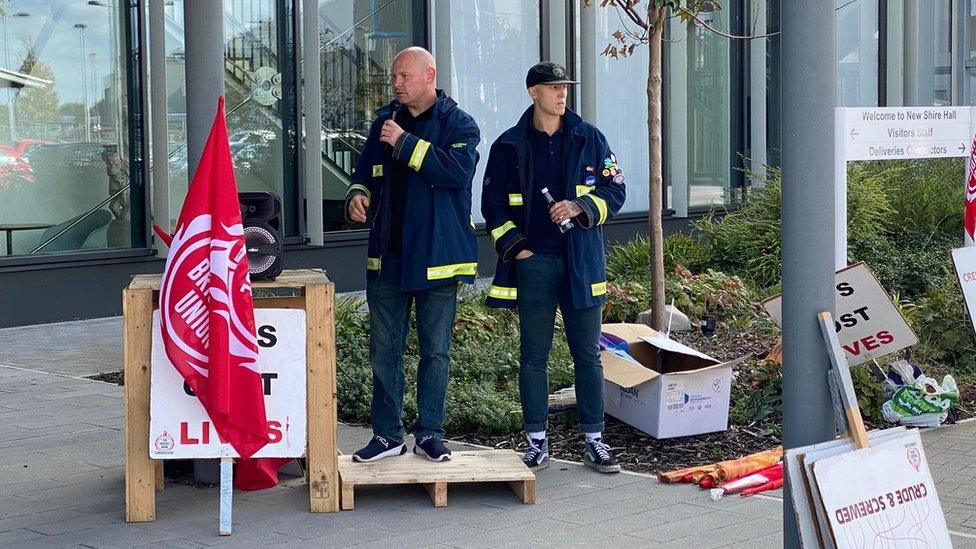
316,295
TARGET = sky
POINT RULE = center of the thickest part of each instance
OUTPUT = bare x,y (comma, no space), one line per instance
51,25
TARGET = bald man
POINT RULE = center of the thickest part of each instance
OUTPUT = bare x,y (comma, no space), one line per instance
413,182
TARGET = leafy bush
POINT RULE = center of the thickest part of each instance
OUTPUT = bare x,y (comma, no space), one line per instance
757,396
907,263
629,261
746,242
945,337
923,196
712,292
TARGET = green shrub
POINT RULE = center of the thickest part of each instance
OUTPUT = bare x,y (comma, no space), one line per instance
757,396
939,320
923,196
907,263
629,261
712,292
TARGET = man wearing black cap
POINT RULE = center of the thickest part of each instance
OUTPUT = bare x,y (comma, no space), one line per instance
550,184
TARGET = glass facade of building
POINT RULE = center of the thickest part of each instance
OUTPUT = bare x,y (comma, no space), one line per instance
72,131
70,165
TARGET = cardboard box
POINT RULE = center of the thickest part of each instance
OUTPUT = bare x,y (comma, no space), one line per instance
675,390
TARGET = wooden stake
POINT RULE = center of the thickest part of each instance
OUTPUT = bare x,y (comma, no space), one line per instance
842,372
140,473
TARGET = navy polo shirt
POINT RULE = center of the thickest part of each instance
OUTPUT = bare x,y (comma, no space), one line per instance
398,191
547,172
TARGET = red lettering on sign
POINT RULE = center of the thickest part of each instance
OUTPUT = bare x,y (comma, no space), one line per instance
274,431
185,436
885,337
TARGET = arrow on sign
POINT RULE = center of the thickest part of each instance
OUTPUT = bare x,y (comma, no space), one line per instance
962,148
854,133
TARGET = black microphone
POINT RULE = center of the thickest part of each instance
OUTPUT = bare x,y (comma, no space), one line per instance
395,107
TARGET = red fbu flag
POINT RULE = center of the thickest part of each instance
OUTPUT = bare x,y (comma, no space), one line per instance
970,218
205,304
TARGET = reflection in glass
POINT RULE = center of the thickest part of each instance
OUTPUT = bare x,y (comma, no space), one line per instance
64,166
358,41
857,53
253,119
492,92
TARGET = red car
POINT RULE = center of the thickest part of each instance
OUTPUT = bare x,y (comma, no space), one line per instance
13,168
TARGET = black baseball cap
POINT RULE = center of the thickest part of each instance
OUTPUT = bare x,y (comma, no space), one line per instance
547,72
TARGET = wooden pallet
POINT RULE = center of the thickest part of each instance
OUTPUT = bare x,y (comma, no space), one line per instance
465,466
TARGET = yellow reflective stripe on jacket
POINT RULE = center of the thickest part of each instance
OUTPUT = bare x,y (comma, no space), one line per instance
515,200
373,263
472,222
501,292
598,289
500,231
583,190
419,152
441,272
358,187
601,205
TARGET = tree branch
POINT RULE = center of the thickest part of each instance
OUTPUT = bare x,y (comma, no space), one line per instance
723,33
633,15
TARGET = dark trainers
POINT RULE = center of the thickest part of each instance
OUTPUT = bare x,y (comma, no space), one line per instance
598,457
537,456
379,448
432,448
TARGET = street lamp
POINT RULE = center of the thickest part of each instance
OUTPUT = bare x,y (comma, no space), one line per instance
11,95
84,80
116,64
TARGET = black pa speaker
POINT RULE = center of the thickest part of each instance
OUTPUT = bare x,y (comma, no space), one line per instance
261,217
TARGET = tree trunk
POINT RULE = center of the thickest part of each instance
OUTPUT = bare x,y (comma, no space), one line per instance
655,187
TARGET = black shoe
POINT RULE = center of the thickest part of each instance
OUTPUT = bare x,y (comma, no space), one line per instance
598,457
537,456
379,448
432,448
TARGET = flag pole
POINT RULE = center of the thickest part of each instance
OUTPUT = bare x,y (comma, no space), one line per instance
226,494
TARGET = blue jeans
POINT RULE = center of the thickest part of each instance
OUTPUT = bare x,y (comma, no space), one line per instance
543,283
389,323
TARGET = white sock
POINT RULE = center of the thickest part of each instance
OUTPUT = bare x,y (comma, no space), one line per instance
539,435
594,436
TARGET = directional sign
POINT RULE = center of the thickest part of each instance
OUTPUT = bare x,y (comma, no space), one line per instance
906,132
893,133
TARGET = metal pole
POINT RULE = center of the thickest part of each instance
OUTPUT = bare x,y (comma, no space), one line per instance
84,82
6,59
808,99
158,120
204,45
442,45
313,121
587,57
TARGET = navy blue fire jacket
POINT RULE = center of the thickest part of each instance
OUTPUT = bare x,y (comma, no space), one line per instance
593,180
439,243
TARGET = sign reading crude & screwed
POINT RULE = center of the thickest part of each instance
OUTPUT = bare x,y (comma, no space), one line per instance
867,323
180,428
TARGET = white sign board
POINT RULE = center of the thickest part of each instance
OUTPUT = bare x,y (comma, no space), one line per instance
180,428
867,323
894,133
882,496
965,261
